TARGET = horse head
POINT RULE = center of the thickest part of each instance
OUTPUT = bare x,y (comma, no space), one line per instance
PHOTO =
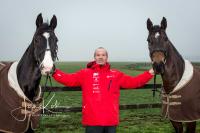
166,60
45,44
158,45
39,57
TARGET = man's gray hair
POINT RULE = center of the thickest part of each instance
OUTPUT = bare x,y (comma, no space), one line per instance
100,48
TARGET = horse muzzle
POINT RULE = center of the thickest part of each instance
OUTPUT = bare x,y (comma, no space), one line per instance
158,67
158,61
46,70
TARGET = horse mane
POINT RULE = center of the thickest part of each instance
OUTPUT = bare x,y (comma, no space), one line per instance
175,50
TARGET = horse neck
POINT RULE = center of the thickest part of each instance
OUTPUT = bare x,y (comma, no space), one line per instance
174,69
28,74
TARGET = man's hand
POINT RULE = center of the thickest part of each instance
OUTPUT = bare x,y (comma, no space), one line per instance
151,71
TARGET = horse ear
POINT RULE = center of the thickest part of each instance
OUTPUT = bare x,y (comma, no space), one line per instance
149,24
53,22
39,20
164,23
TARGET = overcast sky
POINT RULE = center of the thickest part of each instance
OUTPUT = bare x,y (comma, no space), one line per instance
84,25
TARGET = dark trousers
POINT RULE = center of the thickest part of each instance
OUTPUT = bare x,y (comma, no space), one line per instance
100,129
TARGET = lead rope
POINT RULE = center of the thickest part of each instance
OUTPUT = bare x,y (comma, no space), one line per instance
154,86
48,77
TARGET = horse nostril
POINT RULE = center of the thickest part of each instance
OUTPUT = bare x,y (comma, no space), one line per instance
158,67
41,66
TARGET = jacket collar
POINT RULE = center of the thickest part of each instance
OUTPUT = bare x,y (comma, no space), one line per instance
93,65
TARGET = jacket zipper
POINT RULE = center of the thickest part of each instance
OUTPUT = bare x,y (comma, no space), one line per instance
109,85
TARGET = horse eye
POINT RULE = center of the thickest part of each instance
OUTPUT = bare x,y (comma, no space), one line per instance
54,39
149,40
36,39
166,39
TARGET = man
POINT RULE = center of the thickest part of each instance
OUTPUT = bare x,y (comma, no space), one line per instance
101,90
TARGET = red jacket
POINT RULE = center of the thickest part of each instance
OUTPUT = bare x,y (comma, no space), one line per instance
101,91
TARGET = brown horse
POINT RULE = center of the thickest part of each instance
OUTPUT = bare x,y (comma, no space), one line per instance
181,80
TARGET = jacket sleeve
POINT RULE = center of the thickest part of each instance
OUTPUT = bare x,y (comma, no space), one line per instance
67,79
135,82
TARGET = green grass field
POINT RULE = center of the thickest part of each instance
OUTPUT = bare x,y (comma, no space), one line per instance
131,121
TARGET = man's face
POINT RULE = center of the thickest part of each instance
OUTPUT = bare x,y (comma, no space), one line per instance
101,56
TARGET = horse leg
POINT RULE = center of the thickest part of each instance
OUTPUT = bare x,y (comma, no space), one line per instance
190,127
178,126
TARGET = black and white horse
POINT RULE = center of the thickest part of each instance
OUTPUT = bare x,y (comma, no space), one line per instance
39,57
37,60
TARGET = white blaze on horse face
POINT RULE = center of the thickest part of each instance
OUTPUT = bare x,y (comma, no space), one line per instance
46,35
47,63
157,34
